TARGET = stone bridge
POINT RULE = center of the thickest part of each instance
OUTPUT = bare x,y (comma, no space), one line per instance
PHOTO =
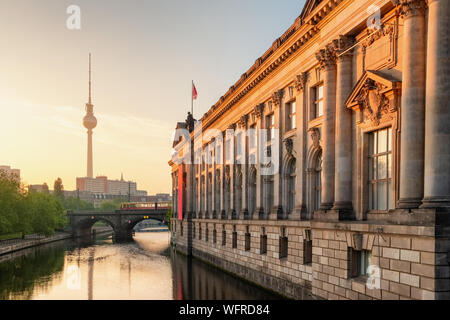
122,221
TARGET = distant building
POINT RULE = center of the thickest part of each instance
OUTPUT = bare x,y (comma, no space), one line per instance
38,188
102,185
12,173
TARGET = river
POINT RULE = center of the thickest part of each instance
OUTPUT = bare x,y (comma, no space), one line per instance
99,269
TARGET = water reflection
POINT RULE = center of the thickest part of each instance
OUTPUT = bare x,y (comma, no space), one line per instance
102,270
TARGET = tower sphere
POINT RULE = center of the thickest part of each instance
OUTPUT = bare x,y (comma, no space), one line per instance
89,121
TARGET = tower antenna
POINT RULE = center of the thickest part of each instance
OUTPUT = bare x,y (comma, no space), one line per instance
90,99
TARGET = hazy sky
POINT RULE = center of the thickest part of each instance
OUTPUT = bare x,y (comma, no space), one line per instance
145,54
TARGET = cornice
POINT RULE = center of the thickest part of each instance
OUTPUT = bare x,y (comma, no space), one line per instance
281,50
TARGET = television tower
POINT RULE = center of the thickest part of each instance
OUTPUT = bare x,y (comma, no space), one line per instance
89,122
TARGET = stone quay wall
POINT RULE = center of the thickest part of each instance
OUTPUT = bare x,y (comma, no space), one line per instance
413,262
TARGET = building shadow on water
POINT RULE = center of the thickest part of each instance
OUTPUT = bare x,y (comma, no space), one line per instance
196,280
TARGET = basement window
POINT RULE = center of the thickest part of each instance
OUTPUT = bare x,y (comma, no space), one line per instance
283,244
360,261
263,242
234,238
247,239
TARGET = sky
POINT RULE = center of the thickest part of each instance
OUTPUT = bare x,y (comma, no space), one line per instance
145,53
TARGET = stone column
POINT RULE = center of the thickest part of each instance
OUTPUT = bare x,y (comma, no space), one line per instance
343,154
244,167
222,179
232,174
277,210
259,113
437,126
413,104
301,147
214,210
327,59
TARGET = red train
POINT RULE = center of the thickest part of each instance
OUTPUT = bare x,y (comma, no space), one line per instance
145,205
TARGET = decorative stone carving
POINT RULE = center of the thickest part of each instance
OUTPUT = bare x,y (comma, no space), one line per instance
289,144
385,30
277,97
327,56
300,81
259,110
315,137
408,8
243,121
372,102
376,96
190,122
342,45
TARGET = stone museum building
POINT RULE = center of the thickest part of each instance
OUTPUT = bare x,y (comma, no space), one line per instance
354,103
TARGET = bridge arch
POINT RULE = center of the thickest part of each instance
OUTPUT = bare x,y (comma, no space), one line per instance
121,221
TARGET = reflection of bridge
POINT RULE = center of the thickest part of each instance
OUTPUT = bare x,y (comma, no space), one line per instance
122,221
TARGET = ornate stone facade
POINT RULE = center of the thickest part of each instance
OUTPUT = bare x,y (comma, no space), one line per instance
361,186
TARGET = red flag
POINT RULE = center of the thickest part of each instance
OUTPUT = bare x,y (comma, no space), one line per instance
194,92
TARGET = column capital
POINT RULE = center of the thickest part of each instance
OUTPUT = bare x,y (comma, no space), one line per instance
300,81
243,121
409,8
327,56
342,45
259,110
277,97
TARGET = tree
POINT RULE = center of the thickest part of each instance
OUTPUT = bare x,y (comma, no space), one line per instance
58,189
44,212
169,218
10,198
71,203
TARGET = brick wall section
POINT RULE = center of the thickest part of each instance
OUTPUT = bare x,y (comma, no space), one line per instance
413,264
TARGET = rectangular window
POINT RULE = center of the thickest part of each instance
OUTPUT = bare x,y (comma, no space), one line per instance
380,170
247,240
224,238
283,247
263,244
270,125
215,236
307,251
207,235
318,101
292,116
200,233
181,230
360,262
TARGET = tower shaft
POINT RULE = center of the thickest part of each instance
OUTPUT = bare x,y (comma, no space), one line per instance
90,166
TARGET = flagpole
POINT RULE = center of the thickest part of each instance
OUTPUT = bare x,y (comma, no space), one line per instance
192,98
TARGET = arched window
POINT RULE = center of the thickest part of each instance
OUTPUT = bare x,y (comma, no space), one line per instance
290,185
209,194
268,193
196,196
202,195
227,189
238,192
251,205
318,183
314,180
217,192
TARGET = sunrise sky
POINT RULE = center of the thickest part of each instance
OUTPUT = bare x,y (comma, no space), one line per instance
145,54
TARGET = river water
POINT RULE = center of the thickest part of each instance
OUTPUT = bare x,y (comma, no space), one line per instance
146,269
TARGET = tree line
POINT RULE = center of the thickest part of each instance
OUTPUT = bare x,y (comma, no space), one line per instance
28,212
